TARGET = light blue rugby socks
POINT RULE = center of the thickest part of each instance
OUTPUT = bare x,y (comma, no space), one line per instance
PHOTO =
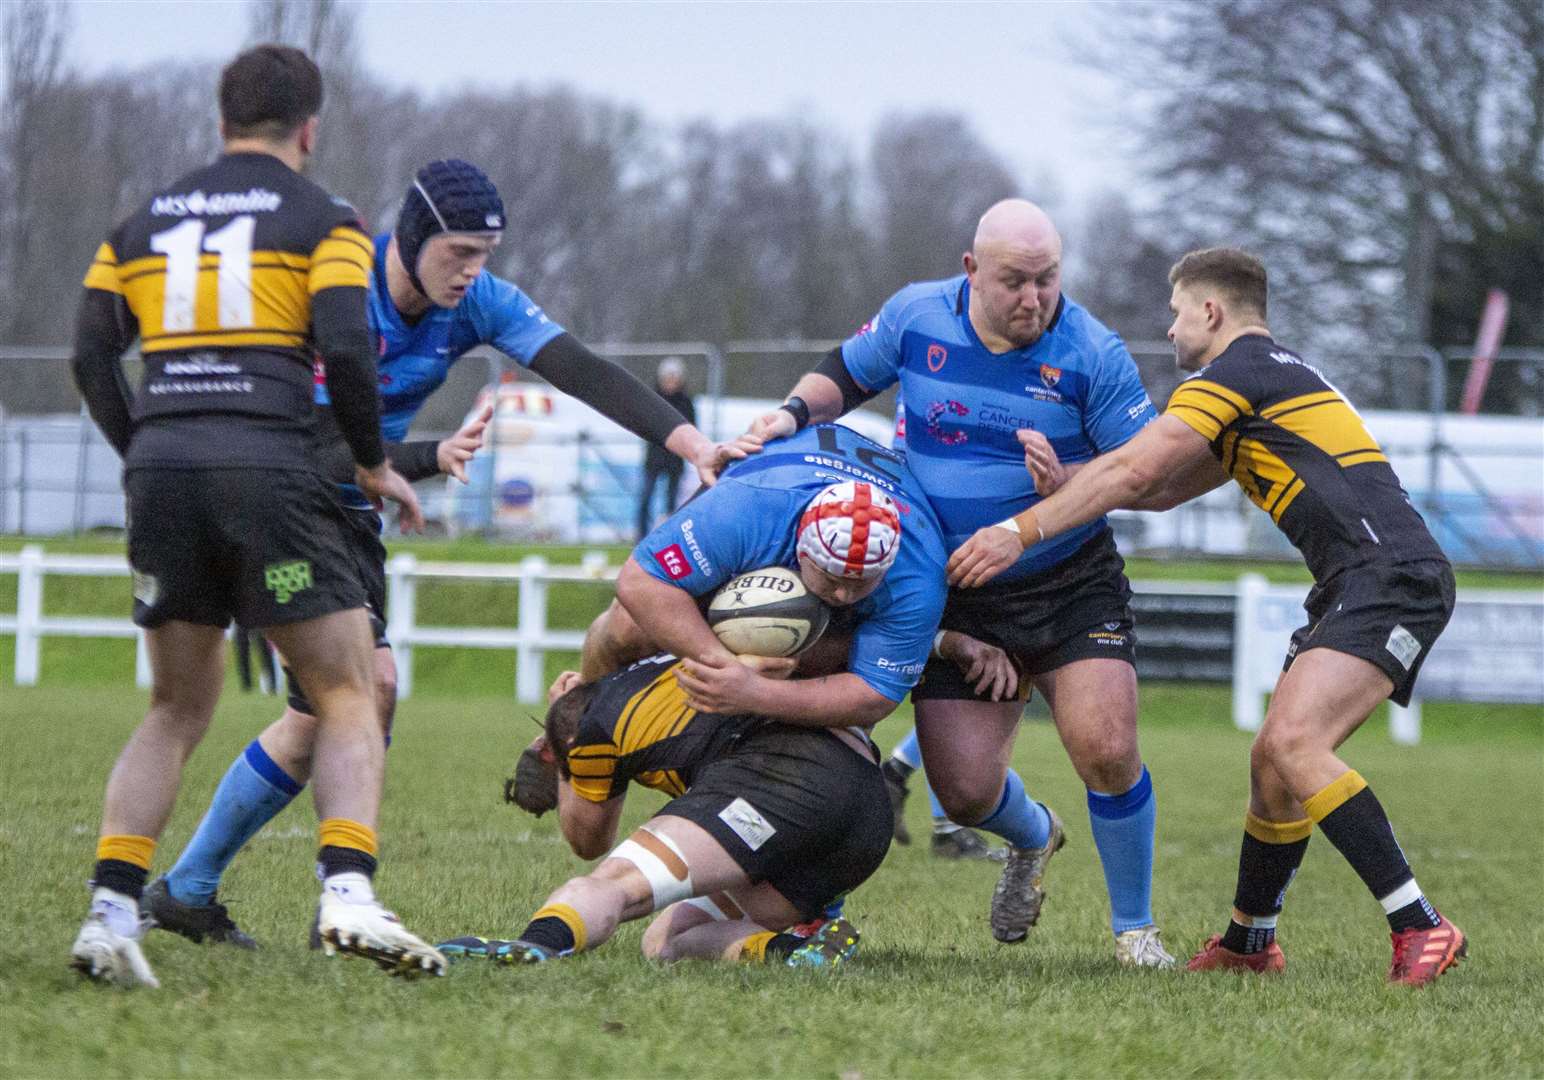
1018,819
1124,826
251,795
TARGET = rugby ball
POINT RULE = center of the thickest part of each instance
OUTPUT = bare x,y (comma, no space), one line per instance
767,613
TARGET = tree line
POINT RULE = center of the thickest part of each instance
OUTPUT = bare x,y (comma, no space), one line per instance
1386,158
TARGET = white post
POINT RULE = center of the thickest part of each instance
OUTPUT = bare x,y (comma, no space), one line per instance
1248,706
593,563
1405,723
142,659
29,612
529,663
401,613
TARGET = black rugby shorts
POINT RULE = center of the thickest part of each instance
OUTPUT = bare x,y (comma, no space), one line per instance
1389,615
796,808
264,546
363,533
1079,609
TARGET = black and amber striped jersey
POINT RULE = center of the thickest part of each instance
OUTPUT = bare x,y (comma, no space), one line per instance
1303,455
216,275
639,727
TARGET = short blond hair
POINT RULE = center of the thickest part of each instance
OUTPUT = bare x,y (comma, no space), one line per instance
1236,273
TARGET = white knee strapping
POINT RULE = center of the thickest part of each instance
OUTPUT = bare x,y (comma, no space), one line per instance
708,905
660,862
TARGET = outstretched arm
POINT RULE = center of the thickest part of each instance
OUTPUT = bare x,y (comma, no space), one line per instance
613,392
1136,475
828,392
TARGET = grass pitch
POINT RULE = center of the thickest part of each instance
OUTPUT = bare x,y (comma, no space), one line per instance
930,994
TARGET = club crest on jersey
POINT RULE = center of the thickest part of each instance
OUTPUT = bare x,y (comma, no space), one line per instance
937,356
1050,375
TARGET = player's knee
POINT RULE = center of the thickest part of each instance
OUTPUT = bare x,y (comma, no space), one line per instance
386,695
177,721
967,799
1284,738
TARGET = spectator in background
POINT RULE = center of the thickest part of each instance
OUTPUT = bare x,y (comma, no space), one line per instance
670,383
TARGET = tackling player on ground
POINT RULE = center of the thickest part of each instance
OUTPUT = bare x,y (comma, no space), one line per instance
229,278
1383,590
430,302
983,360
769,824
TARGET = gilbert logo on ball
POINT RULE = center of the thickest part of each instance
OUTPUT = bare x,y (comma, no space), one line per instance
767,612
851,530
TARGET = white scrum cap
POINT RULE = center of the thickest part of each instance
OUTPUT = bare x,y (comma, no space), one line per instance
851,530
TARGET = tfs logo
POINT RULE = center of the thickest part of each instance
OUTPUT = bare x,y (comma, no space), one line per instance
672,560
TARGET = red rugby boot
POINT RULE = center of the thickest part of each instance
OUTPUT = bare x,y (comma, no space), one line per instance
1213,957
1421,955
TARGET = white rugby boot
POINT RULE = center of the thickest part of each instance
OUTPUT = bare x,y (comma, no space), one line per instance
107,947
1142,948
357,925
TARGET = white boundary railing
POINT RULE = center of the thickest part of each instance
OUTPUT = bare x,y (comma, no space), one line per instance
1492,650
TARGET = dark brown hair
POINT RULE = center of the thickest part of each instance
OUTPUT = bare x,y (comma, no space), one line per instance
1238,274
563,717
268,92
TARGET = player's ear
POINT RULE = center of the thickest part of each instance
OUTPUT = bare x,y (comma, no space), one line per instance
308,135
970,263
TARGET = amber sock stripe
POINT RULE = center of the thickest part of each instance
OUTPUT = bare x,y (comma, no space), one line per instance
753,950
135,850
343,833
1277,832
570,919
1329,798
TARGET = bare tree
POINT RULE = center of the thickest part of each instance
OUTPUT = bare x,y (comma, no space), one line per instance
33,35
934,179
328,30
1352,141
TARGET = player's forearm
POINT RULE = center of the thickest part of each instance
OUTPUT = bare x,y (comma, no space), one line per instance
1109,482
416,460
1179,488
589,829
821,395
340,329
843,700
687,442
99,343
667,616
613,392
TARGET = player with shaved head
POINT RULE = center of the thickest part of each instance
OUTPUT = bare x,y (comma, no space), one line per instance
999,370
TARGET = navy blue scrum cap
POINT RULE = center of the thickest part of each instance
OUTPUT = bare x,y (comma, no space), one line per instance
450,196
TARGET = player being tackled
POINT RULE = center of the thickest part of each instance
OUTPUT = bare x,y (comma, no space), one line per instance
769,825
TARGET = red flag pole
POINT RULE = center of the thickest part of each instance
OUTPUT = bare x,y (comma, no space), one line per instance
1486,344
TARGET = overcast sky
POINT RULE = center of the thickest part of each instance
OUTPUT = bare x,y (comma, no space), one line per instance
1009,66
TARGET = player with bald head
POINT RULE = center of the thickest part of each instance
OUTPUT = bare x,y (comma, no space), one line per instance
1000,370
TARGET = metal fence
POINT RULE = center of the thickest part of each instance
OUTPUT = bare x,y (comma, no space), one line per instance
58,476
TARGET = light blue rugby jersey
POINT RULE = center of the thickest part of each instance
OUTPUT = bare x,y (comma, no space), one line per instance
413,359
1077,385
750,520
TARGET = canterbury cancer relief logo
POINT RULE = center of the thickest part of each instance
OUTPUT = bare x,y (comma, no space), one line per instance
285,579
